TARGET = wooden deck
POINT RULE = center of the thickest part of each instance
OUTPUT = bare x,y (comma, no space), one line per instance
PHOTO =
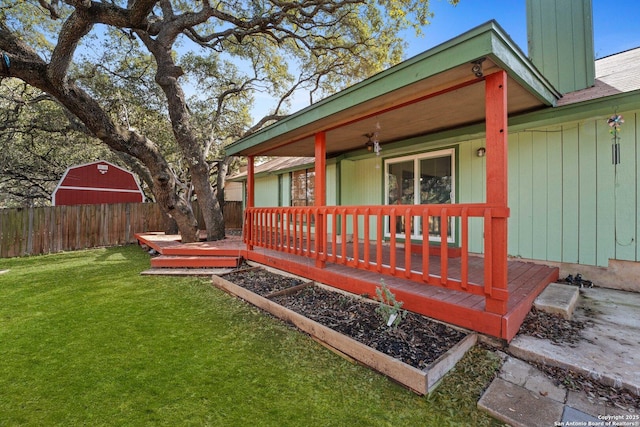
525,280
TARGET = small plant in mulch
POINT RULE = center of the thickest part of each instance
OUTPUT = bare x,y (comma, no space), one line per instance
389,308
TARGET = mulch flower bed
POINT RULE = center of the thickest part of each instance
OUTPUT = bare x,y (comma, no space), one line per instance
416,341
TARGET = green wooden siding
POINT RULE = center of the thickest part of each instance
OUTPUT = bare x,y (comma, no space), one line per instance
332,188
561,42
569,203
285,189
471,187
266,192
361,183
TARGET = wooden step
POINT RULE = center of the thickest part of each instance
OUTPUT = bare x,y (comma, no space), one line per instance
188,271
168,261
184,250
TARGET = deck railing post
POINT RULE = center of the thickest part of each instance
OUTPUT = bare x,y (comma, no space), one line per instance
497,186
320,194
250,202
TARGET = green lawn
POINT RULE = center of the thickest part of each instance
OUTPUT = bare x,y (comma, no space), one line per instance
86,340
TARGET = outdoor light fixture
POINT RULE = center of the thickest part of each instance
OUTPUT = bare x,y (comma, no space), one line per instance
369,144
480,152
373,143
477,67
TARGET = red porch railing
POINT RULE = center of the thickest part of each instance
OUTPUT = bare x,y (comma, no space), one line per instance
320,233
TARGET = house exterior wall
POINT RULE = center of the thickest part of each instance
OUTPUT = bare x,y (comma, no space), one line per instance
266,191
361,183
285,189
569,203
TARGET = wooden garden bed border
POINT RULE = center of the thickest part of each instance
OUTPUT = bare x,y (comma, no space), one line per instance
419,381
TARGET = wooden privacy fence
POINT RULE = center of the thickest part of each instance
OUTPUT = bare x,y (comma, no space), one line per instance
34,231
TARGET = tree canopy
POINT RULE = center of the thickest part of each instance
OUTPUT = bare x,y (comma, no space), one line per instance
166,84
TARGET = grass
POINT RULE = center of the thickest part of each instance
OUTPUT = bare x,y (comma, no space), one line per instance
86,340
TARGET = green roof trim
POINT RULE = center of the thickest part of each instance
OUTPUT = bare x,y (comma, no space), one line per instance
606,106
487,40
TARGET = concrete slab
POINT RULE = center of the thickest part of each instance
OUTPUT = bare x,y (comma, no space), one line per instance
558,298
518,406
576,417
592,406
523,374
610,350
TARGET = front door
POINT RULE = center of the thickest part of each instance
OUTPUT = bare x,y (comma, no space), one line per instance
427,178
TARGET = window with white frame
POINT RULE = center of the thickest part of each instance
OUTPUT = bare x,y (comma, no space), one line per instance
427,178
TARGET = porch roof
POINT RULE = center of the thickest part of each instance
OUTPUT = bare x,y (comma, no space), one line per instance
434,91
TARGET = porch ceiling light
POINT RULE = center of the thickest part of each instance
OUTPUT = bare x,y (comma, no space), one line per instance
369,144
477,67
373,144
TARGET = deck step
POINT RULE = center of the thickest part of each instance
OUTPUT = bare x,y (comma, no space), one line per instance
187,271
169,261
197,250
558,298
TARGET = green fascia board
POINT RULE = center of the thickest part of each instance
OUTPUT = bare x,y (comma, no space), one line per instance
507,55
606,106
487,40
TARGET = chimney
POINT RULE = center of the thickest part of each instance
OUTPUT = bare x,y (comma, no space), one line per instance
560,34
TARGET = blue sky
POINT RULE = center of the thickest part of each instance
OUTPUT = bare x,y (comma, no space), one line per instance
616,23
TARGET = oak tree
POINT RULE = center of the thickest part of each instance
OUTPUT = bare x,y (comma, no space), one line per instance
210,61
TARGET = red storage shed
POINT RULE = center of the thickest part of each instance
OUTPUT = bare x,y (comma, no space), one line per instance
96,183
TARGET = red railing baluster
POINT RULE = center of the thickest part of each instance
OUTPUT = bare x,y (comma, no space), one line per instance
425,245
325,224
309,254
343,251
392,241
334,235
366,240
356,255
379,237
408,224
488,245
464,247
444,247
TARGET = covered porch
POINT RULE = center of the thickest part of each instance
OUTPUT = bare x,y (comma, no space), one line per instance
470,85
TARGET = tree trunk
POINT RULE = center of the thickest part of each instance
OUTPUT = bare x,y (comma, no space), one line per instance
192,151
